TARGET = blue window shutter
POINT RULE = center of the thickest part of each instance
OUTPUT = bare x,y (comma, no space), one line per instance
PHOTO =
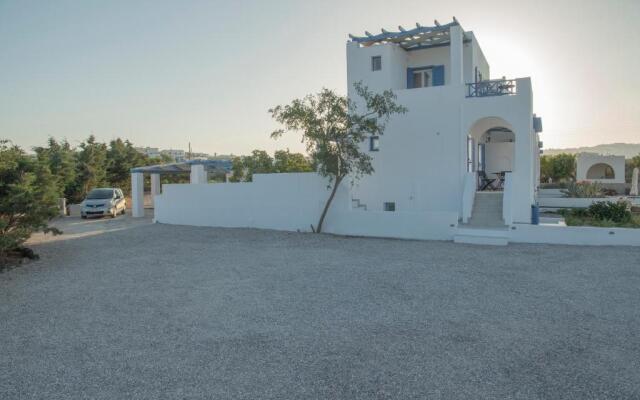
409,78
438,75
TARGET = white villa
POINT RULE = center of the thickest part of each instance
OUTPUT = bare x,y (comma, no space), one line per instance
462,164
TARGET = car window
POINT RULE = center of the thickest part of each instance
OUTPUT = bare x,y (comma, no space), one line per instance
96,194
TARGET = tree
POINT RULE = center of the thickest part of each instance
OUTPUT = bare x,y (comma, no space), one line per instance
243,168
334,130
259,162
90,168
285,161
61,160
120,158
559,167
28,199
237,169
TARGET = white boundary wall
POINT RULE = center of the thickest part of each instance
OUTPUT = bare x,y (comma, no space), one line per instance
292,202
580,202
575,235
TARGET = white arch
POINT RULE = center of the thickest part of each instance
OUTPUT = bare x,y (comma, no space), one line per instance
601,171
496,156
482,125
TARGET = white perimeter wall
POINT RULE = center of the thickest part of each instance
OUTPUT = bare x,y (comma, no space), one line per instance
291,202
272,201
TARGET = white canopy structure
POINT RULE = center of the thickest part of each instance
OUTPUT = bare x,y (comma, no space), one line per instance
420,37
198,170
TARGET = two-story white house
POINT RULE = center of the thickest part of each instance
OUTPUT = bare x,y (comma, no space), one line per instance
462,164
467,139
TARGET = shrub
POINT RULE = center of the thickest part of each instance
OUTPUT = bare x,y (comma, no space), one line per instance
619,212
28,200
583,189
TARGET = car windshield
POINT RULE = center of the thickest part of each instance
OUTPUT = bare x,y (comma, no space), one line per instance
100,194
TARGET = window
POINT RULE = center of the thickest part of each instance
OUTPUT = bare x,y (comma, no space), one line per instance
422,78
374,143
390,206
376,63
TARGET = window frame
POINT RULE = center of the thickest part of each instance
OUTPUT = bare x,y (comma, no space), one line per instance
373,63
423,73
374,139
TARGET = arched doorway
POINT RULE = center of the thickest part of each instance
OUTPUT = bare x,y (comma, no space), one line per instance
601,171
491,152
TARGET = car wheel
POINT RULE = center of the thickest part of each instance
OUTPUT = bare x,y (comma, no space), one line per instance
83,216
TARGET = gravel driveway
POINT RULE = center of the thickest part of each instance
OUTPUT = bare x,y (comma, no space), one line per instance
132,310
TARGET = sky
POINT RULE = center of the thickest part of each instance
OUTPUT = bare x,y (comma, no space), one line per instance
166,73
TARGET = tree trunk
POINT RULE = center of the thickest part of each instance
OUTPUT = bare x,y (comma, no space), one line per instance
328,203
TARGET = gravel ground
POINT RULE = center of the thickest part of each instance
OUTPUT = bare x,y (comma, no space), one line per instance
132,310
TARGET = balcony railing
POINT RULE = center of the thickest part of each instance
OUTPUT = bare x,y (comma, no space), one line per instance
497,87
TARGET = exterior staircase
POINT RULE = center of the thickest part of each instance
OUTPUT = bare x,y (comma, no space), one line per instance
487,211
486,225
357,205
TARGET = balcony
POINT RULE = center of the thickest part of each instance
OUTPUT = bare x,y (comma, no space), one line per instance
496,87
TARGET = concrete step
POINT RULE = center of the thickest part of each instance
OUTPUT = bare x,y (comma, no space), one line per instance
499,236
481,240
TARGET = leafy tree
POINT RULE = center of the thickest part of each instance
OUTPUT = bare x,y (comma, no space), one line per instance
559,167
333,130
243,168
91,167
28,199
61,160
120,158
259,162
237,169
285,161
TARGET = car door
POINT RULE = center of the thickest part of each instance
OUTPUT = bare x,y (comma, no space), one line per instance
119,200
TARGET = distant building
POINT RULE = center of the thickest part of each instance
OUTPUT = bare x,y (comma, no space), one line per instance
151,152
177,155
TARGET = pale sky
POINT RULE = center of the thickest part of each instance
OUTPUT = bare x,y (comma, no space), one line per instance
163,74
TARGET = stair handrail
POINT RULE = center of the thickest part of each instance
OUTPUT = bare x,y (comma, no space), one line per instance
507,195
468,195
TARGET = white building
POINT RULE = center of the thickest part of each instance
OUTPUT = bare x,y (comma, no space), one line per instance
177,155
151,152
462,164
592,167
460,122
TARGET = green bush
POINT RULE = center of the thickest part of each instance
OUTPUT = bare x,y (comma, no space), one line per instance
28,200
583,189
618,212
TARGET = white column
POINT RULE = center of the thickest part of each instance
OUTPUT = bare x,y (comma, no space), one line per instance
155,186
198,173
137,194
456,35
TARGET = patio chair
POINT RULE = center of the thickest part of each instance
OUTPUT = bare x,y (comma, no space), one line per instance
485,182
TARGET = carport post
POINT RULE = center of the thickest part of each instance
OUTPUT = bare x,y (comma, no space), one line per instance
137,194
198,173
155,187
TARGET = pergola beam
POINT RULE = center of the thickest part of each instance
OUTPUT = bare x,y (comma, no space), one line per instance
420,35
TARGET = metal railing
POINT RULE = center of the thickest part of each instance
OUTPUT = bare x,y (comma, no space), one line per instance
497,87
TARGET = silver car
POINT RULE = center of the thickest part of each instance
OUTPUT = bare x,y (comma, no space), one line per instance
103,201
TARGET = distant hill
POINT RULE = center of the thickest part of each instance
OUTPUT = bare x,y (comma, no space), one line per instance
617,149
